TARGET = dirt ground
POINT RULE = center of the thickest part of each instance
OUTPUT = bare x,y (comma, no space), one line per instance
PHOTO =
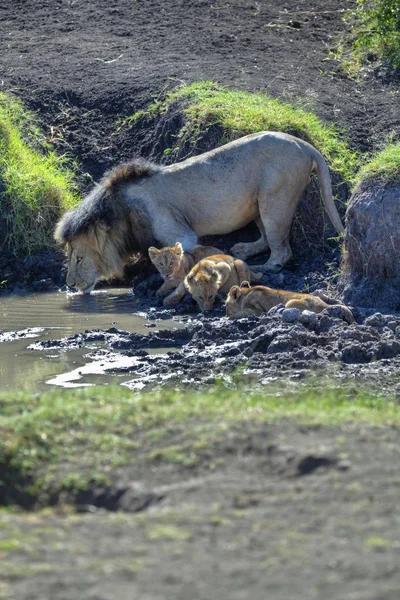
82,64
280,511
273,511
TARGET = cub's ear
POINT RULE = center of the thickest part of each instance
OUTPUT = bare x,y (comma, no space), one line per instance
188,281
214,275
235,292
245,284
153,252
178,249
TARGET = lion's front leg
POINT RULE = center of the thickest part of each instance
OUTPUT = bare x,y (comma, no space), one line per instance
176,296
165,288
168,231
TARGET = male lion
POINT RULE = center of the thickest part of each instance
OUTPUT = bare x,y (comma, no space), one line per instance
259,177
216,273
245,300
174,264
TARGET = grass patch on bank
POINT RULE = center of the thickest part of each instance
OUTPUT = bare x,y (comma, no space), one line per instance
383,166
36,185
373,36
79,436
237,113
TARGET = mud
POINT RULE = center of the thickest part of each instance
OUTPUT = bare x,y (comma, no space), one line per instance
281,344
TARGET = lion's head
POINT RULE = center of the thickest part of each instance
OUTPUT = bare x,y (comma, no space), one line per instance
167,261
234,298
84,266
203,283
103,232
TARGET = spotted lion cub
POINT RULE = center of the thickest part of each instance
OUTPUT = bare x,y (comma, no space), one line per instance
216,273
246,300
174,264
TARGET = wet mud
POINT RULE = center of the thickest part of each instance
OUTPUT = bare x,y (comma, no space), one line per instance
282,343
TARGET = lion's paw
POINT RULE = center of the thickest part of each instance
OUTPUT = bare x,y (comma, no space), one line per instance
272,268
240,250
170,301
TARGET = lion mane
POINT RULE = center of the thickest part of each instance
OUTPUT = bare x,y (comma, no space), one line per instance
111,229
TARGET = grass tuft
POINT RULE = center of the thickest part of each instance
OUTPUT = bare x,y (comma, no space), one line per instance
383,166
36,186
206,104
373,36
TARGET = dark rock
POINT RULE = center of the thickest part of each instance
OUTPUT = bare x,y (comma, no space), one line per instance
371,264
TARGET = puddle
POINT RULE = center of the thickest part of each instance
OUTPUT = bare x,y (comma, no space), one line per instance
47,316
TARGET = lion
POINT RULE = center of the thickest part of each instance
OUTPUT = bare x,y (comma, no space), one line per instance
215,274
174,264
244,301
259,177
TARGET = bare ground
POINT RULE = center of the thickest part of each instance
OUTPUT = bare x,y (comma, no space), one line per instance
280,511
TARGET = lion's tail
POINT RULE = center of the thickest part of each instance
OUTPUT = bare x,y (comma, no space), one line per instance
326,190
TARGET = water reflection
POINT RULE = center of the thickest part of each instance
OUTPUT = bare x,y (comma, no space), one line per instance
102,301
56,315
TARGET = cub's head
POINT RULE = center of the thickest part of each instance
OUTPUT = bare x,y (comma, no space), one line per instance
203,284
168,260
235,295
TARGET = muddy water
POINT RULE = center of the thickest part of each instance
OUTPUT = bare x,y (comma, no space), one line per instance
25,319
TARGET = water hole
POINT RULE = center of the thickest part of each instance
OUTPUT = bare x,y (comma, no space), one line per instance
25,319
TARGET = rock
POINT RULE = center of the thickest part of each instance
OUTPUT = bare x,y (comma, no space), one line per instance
371,263
375,320
283,343
291,315
339,312
308,318
276,310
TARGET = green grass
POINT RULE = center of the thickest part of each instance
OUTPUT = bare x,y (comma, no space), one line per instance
373,36
206,104
63,438
383,166
36,186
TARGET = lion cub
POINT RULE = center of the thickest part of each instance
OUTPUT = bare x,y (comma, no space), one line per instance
174,264
216,273
246,300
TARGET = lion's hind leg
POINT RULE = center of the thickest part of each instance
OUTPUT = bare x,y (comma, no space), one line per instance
315,305
244,250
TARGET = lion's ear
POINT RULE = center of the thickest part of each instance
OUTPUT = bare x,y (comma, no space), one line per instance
153,252
235,292
245,284
214,275
188,280
178,249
